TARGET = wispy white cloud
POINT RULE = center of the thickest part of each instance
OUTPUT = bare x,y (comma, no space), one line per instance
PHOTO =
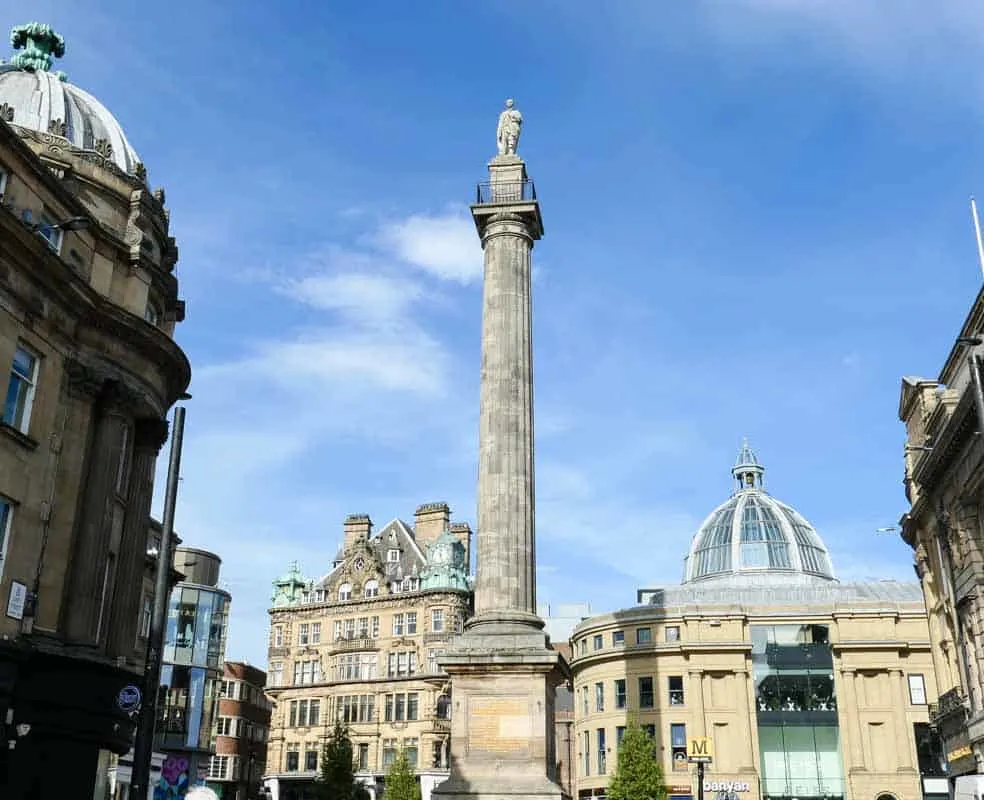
444,246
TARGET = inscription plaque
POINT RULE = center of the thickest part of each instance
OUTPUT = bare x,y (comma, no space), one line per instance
500,726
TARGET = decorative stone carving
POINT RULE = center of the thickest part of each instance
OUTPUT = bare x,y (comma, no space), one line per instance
41,46
140,171
159,194
104,148
150,433
6,112
57,127
83,381
507,133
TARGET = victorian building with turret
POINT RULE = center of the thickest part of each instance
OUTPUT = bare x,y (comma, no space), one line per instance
361,646
88,307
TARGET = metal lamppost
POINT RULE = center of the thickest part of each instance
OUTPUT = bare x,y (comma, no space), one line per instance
143,746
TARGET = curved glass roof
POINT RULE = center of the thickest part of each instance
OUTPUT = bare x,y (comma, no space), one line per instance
755,534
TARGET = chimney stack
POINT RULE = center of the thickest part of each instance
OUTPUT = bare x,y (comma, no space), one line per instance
429,521
463,533
357,527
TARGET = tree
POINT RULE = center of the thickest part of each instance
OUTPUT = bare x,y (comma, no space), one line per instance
639,775
401,780
336,779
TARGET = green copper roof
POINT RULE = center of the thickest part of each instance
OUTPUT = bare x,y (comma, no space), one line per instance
40,45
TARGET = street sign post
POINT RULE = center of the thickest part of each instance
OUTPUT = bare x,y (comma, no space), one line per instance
700,751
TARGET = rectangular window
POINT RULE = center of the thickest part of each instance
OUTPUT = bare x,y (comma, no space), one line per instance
6,522
314,713
620,693
601,750
644,635
349,629
599,641
375,627
293,714
586,701
20,390
437,620
217,767
587,753
676,690
311,760
917,690
650,731
618,638
146,606
389,752
302,713
292,760
646,692
278,635
337,630
223,726
398,624
275,674
599,696
672,633
400,707
678,741
412,703
582,647
303,635
410,747
411,623
363,627
315,633
363,756
619,735
50,232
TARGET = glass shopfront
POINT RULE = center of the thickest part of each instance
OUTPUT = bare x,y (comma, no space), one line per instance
796,712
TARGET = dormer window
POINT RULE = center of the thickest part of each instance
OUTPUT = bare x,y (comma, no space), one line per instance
371,589
393,555
408,584
345,592
319,596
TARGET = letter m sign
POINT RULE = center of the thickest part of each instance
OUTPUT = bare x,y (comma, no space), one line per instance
700,750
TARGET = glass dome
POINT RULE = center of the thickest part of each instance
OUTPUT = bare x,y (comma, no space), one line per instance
753,534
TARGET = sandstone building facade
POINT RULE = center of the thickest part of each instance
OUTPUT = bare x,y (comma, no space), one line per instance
88,308
944,480
807,687
361,645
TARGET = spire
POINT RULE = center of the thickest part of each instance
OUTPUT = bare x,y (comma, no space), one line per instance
40,45
747,470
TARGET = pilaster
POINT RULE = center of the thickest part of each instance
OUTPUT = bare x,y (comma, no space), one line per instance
149,436
849,717
905,743
696,691
92,568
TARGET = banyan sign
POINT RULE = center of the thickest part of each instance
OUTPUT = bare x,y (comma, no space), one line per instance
726,787
700,751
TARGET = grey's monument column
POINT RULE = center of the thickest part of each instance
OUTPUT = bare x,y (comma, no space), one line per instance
503,671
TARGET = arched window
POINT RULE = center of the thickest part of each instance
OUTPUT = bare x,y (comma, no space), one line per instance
345,591
371,589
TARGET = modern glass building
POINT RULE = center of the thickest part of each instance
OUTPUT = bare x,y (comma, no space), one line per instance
193,661
809,688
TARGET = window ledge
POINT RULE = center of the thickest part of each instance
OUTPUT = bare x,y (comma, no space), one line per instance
21,438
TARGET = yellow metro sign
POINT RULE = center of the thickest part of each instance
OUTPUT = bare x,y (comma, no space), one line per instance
700,751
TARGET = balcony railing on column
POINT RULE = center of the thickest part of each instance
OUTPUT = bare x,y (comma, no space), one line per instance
491,192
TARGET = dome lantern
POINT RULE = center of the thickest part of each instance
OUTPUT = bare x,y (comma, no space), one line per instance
748,472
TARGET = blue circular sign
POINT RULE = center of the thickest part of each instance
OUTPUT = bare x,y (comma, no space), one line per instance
128,699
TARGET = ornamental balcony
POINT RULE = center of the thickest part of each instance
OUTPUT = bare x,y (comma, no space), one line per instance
349,645
492,192
950,704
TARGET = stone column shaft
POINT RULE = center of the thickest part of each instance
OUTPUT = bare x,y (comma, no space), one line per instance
848,699
506,577
904,730
90,550
149,437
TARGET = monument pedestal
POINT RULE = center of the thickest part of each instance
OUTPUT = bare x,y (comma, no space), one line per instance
502,720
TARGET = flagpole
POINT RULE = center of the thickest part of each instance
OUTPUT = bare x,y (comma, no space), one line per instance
977,232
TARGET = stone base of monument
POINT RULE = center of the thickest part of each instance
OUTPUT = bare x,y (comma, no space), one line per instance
504,679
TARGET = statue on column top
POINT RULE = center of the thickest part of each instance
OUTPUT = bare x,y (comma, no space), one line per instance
507,134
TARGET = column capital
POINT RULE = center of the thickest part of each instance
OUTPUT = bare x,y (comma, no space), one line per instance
82,380
150,433
121,399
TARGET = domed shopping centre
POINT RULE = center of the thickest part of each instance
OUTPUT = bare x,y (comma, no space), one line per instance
795,677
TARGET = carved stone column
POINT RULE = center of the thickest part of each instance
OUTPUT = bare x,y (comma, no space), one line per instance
90,575
747,720
696,692
848,709
905,742
149,436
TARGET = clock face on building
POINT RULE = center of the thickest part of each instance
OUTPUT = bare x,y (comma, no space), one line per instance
442,556
360,563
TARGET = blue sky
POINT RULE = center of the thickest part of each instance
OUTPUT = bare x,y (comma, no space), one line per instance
756,223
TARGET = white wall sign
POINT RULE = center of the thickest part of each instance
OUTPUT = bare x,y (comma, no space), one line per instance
726,786
16,600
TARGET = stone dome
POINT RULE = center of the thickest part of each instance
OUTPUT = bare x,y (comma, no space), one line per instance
755,538
33,97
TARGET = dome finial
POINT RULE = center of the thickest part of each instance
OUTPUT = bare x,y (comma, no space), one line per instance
747,470
41,46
